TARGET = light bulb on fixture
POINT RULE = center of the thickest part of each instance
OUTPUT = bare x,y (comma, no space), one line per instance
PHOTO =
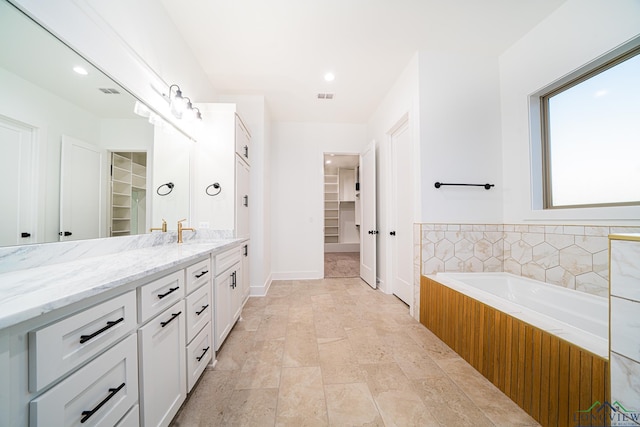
177,102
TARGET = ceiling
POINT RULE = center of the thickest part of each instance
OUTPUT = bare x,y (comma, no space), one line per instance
282,48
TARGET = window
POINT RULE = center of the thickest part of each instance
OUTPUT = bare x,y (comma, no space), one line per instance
591,137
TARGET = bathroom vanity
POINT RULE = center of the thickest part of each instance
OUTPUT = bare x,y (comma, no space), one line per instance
118,339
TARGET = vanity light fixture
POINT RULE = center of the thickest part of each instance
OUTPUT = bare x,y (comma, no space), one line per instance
181,105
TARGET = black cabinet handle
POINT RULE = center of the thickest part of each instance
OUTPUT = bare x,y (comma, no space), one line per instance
110,324
201,274
204,307
233,280
246,250
246,151
112,392
246,201
392,233
373,231
160,296
25,235
204,351
173,316
66,233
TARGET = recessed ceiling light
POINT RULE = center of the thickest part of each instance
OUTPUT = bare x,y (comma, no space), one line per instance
80,71
328,162
329,77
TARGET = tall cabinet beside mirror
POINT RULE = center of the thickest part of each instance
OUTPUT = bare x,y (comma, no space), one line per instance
221,163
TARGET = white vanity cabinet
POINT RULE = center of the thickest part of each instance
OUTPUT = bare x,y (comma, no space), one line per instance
163,384
227,293
127,355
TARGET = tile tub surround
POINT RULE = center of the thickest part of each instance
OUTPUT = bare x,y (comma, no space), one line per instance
572,256
625,321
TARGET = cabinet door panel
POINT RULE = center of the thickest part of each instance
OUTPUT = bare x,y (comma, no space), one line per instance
162,366
199,353
243,199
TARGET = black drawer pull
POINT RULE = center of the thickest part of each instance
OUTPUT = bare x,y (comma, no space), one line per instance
202,355
112,392
246,151
201,274
246,250
110,324
173,316
246,201
170,291
204,307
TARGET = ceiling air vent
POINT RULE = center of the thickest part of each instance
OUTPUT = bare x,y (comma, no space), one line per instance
109,91
325,96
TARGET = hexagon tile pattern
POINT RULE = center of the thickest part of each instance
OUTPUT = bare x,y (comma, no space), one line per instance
571,256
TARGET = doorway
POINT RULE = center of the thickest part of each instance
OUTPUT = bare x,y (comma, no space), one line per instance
341,215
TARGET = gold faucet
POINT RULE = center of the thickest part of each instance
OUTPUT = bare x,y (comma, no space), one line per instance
163,228
181,229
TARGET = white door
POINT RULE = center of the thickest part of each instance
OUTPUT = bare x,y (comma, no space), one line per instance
17,216
401,230
368,229
82,190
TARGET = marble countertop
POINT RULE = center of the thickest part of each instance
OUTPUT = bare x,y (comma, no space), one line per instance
25,294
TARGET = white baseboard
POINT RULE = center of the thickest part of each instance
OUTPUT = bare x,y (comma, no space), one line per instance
261,291
297,275
342,247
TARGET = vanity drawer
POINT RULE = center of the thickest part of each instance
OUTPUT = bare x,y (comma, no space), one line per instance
99,394
198,274
199,353
198,311
132,419
160,294
60,347
226,259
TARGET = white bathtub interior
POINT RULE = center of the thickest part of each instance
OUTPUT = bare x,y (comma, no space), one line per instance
577,317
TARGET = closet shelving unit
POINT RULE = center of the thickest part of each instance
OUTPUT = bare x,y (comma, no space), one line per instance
331,208
128,182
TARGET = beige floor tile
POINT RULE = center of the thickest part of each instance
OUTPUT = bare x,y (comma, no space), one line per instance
263,366
369,347
448,403
339,363
486,396
252,408
336,352
301,400
351,405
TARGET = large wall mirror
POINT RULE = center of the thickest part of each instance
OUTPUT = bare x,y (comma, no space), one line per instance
76,161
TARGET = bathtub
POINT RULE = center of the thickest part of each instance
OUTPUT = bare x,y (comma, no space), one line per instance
543,346
577,317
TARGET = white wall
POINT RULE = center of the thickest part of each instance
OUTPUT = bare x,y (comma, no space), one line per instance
576,34
402,99
460,137
297,192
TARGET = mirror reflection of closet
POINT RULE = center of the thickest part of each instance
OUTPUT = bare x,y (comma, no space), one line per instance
128,201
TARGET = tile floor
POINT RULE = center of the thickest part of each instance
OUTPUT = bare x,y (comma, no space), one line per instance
335,352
